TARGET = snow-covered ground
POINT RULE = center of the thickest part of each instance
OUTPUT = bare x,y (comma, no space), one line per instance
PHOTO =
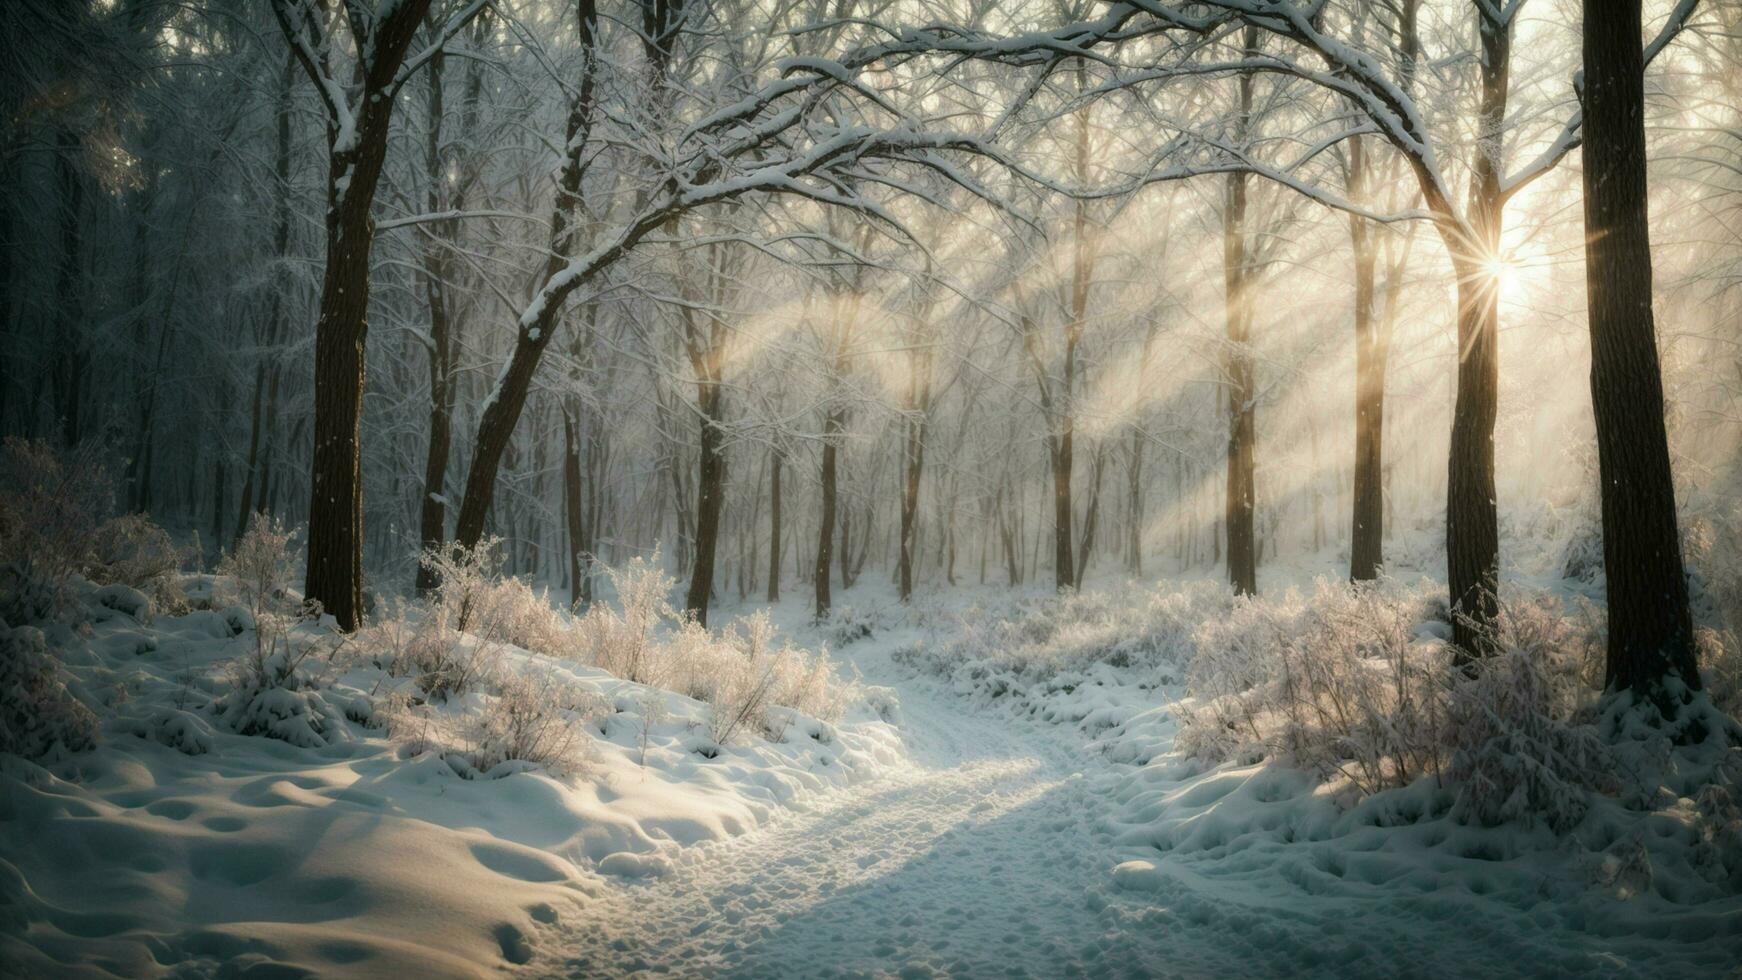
988,816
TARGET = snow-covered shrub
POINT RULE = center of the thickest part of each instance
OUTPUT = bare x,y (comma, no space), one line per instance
622,643
177,728
1339,684
1720,653
272,694
537,718
131,550
39,717
50,509
473,596
1030,644
1517,751
257,573
742,683
1582,556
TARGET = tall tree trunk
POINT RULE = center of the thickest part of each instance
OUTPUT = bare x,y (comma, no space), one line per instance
1650,649
1237,274
914,459
1092,517
1367,523
774,465
832,426
432,515
574,514
356,151
537,325
1472,517
69,366
710,500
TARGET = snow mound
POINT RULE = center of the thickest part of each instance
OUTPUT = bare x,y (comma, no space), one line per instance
322,816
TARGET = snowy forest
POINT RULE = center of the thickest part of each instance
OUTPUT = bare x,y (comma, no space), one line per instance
870,488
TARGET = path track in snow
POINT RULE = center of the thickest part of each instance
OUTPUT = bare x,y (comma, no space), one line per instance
980,859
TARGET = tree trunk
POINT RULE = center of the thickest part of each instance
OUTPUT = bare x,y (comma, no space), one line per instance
573,513
1237,274
832,425
1092,518
1240,519
710,499
432,517
912,471
1472,518
1367,523
69,367
774,465
355,154
1650,648
537,325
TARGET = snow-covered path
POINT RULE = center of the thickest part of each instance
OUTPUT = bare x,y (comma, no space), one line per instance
980,859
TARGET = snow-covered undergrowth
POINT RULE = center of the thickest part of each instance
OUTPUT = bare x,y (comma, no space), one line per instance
1322,744
237,784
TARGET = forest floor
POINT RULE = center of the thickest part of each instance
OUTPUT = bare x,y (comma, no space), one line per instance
1014,847
964,821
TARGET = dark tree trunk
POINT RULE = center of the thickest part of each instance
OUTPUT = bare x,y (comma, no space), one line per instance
1240,517
537,326
710,500
1237,277
1650,632
774,465
335,520
1367,524
1092,518
832,426
335,535
846,553
1472,519
574,514
915,462
1063,512
69,367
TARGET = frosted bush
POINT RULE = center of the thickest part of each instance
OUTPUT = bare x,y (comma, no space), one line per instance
1517,753
257,573
475,597
50,508
131,550
39,717
743,680
1337,684
536,718
420,644
271,693
1028,640
622,643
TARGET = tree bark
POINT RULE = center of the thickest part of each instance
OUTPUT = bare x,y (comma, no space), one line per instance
1472,517
335,521
1367,522
1242,392
537,326
1650,646
774,465
833,423
710,499
574,518
69,366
